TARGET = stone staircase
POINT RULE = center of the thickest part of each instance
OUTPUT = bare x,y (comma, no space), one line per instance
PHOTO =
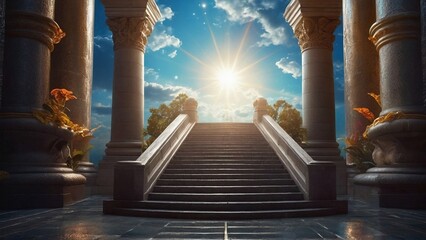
225,171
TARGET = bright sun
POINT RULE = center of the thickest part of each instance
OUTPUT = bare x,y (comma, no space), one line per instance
227,78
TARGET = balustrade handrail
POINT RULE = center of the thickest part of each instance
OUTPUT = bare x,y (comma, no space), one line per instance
316,179
133,180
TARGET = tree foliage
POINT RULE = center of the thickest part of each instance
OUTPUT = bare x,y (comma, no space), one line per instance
162,116
289,119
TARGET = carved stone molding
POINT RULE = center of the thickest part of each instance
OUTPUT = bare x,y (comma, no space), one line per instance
389,29
130,32
316,32
34,26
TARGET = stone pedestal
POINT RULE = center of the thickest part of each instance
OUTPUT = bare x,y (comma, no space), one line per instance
313,23
72,66
361,65
399,134
190,108
260,108
31,151
130,29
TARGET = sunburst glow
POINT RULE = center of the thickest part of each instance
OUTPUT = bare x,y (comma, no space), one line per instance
227,78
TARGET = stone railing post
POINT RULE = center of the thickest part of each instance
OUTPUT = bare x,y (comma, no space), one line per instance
190,108
72,64
313,23
131,22
260,108
399,134
30,150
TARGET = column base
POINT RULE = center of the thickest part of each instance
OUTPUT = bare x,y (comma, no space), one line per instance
392,187
115,152
41,190
329,151
88,170
37,174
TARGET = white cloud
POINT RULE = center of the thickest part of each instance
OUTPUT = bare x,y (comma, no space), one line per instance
247,11
173,54
166,13
290,67
162,40
101,40
151,74
161,93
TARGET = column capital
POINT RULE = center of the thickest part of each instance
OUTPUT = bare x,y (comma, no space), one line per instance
130,32
316,32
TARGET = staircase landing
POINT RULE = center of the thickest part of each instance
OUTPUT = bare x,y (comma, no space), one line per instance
225,171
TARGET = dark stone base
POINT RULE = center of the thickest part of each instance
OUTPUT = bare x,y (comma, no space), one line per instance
41,190
386,198
392,187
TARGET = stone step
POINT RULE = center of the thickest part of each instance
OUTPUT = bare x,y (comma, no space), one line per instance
213,171
223,157
180,165
226,206
225,176
223,182
224,215
226,197
223,161
226,152
255,148
226,189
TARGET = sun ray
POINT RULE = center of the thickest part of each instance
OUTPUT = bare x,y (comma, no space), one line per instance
216,46
242,43
194,58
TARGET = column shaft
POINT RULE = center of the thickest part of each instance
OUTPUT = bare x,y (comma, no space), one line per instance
26,85
318,95
361,64
2,17
72,64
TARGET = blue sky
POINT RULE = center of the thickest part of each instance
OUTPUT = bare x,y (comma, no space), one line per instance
224,53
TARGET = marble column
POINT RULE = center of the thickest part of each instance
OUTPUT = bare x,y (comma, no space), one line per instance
313,23
399,134
72,66
423,22
31,151
2,16
361,64
130,36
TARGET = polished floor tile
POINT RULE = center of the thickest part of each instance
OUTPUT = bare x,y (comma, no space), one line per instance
85,220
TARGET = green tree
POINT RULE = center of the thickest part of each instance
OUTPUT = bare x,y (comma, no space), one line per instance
161,117
289,119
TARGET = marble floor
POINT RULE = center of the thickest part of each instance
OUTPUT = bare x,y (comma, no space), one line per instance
85,220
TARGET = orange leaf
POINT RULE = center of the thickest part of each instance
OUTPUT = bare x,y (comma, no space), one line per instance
61,95
365,112
376,97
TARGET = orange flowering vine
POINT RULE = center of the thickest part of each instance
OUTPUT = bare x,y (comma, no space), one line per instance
54,113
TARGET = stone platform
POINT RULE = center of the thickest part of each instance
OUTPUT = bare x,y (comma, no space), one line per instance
85,220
